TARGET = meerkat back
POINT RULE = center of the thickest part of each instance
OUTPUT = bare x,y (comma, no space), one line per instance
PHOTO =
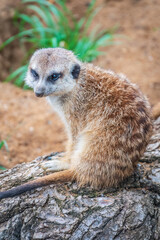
118,128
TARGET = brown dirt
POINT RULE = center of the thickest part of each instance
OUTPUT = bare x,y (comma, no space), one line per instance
29,126
27,123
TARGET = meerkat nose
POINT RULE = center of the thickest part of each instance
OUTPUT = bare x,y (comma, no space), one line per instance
39,94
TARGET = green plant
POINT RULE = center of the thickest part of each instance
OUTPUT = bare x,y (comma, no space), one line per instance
2,168
6,146
55,26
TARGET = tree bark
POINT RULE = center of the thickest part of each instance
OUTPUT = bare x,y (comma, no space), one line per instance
64,211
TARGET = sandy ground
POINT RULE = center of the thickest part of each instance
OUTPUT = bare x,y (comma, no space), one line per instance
29,125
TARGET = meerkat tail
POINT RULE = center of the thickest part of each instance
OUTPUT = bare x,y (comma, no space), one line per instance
63,176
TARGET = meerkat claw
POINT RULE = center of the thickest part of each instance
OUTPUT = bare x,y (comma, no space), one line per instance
54,157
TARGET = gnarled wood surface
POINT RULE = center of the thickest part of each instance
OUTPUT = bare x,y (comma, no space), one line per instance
63,211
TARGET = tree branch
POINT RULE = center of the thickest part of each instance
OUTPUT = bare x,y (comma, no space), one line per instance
63,211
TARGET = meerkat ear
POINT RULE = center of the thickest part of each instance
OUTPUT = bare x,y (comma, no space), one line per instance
75,71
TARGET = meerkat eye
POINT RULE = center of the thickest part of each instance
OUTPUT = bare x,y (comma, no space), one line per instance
34,74
54,77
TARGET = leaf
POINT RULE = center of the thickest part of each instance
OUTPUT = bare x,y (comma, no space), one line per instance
16,73
19,35
2,168
1,144
4,143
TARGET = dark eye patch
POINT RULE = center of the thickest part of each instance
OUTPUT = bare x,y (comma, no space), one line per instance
54,76
34,74
75,71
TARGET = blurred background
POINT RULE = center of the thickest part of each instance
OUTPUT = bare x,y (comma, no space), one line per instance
122,35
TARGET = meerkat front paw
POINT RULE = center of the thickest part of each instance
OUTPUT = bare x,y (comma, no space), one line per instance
54,165
54,156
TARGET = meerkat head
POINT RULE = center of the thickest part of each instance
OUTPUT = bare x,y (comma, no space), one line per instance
53,71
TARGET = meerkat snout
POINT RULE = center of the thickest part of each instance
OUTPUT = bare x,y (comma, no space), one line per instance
39,88
40,92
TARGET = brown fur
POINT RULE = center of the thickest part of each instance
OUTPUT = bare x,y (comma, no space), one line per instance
113,118
108,123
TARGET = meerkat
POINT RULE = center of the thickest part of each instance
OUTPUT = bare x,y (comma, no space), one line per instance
107,120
